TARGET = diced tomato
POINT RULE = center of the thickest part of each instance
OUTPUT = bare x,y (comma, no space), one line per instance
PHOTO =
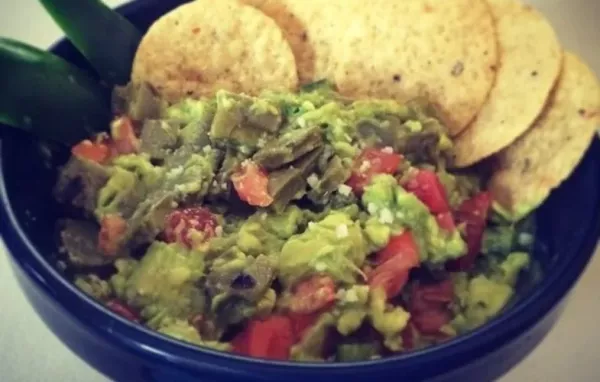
442,291
112,229
446,221
183,223
302,322
431,321
270,338
123,310
426,186
427,296
428,306
312,295
394,263
252,184
93,151
400,247
473,214
273,337
370,163
389,277
123,135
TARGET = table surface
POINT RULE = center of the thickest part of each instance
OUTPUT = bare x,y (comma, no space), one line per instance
568,353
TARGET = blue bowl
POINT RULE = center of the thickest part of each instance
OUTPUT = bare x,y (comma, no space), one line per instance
568,231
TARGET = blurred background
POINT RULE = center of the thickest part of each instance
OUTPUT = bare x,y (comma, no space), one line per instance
31,353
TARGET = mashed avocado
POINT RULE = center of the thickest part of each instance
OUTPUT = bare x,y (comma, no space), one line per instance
387,201
162,283
483,296
335,246
273,226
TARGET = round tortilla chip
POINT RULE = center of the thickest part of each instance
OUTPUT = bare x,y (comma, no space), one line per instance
313,29
445,51
204,46
542,158
530,63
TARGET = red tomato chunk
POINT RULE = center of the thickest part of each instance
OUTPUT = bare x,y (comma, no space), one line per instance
370,163
394,263
123,310
252,184
426,186
313,294
182,224
123,134
270,338
112,229
473,214
429,306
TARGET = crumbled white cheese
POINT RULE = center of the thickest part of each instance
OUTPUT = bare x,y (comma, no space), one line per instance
311,225
244,149
387,150
313,180
344,189
364,166
320,266
372,208
386,216
341,231
207,149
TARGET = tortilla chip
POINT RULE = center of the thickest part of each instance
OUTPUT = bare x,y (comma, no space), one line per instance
203,46
531,59
445,51
541,159
313,29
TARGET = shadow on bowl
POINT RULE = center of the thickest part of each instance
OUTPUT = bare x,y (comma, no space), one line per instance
568,230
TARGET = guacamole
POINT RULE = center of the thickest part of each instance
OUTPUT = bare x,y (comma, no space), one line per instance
292,226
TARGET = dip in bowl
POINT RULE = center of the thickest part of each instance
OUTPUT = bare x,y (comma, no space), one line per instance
566,234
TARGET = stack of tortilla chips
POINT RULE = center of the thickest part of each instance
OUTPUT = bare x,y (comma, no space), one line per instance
493,69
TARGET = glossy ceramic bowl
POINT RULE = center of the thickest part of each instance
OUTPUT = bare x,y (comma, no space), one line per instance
569,228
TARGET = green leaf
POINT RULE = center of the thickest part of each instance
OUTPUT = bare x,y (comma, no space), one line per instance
49,97
104,37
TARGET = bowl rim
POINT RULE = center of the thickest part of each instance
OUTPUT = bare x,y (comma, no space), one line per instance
142,341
